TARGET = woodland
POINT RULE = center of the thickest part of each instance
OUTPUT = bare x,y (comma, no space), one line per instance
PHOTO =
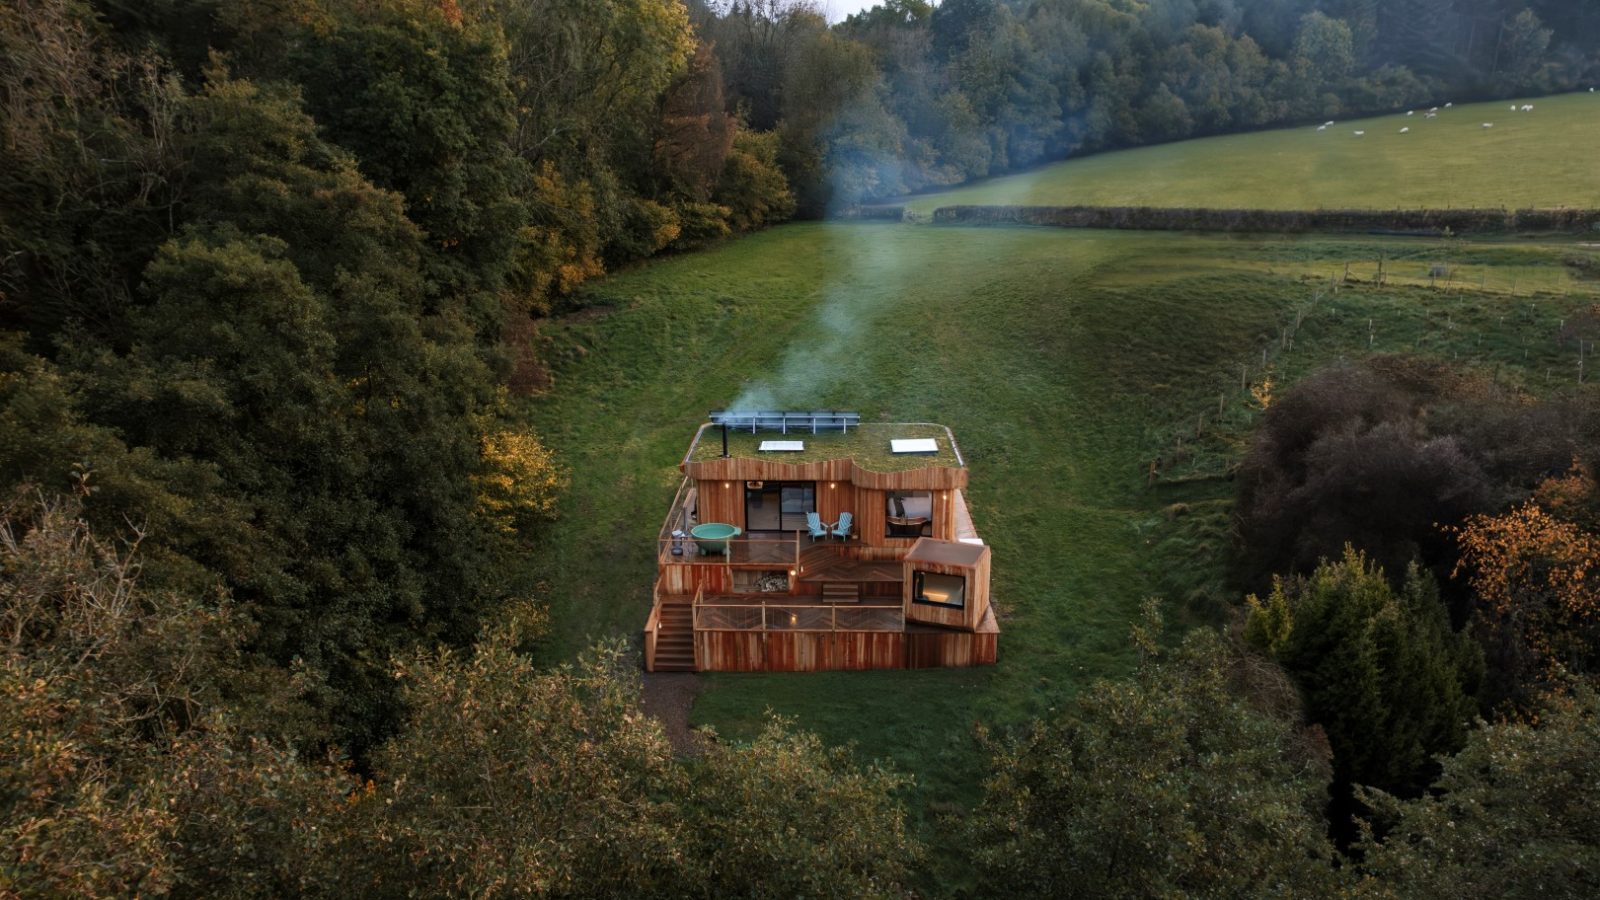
271,273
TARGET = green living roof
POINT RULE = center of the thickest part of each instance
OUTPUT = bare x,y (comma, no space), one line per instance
867,444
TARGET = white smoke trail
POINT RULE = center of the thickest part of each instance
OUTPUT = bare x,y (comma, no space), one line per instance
869,275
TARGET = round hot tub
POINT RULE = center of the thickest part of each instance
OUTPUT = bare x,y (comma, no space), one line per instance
713,537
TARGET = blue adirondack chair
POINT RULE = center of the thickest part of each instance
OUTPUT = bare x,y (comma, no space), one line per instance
842,530
814,522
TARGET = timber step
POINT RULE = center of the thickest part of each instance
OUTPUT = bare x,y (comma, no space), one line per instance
675,638
841,592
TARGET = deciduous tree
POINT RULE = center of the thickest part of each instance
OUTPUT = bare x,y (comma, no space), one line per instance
1190,778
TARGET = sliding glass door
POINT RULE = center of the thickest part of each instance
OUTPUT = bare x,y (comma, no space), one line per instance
778,505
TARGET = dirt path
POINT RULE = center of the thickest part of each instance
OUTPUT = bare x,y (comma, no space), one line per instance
668,697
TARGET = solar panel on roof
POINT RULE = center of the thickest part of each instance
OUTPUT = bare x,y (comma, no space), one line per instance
786,422
913,445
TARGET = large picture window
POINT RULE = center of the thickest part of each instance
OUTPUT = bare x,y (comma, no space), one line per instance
937,589
909,514
778,505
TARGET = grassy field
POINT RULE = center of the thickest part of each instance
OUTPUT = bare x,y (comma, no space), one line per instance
1064,361
1528,159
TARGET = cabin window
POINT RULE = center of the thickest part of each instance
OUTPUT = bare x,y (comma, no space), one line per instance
938,589
909,514
778,505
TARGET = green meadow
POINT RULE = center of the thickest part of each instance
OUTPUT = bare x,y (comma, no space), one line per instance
1064,361
1528,159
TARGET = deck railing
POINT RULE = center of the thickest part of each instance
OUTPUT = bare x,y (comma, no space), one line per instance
781,552
796,617
678,513
652,626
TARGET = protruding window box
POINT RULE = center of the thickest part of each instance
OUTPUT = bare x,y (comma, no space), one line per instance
946,583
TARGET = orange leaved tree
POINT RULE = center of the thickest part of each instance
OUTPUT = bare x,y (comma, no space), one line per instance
1536,573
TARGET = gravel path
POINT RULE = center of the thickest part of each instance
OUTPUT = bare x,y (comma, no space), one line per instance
668,697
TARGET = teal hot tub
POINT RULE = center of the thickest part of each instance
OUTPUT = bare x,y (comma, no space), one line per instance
713,537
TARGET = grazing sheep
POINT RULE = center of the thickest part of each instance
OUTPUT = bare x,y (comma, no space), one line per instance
1322,128
1434,110
1411,112
1329,122
1405,130
1528,108
1488,124
1360,133
1432,115
1448,105
1513,108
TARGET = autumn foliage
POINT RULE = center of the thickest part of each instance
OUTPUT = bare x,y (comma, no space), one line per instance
521,481
1536,573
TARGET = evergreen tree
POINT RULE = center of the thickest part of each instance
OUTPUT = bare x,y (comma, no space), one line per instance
1382,673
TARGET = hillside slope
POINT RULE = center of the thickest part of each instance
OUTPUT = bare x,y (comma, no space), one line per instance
1539,159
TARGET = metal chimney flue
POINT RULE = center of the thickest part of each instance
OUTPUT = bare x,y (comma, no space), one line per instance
724,440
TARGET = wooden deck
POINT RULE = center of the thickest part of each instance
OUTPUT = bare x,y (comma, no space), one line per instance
780,599
822,562
742,551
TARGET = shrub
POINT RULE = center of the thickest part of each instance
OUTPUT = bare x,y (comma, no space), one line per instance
1343,458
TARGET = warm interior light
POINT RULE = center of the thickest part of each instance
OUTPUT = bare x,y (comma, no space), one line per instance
791,573
830,485
794,618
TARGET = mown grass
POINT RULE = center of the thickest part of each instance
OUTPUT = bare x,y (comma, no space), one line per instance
1528,159
1064,361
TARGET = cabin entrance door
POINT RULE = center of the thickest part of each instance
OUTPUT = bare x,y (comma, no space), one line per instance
776,506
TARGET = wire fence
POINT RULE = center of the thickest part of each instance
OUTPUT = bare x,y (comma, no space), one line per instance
1550,340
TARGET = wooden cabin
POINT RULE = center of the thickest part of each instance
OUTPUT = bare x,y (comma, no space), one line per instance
745,585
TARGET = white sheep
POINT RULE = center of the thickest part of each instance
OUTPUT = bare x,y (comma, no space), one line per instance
1360,133
1448,105
1434,110
1328,123
1405,131
1411,112
1322,128
1488,124
1527,107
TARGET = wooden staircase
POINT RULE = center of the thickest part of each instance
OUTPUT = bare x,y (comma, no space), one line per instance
675,636
841,592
